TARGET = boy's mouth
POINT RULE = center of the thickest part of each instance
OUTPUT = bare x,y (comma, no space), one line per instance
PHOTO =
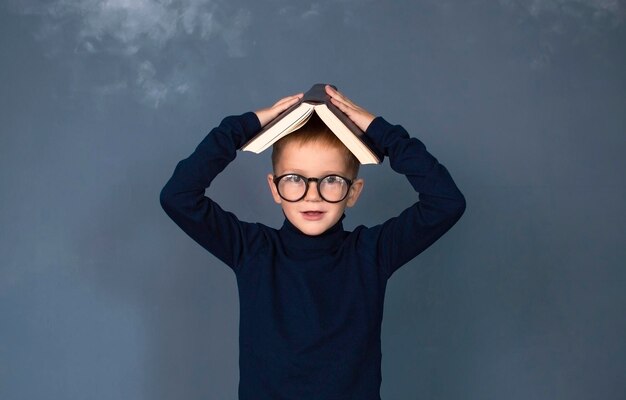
312,215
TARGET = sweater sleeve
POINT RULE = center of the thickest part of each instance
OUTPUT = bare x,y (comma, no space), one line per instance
183,199
440,204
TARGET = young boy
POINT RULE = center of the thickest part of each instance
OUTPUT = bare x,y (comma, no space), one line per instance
311,294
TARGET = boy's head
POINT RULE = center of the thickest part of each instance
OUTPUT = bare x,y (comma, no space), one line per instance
313,151
316,131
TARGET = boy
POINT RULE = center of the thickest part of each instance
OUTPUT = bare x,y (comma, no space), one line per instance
311,294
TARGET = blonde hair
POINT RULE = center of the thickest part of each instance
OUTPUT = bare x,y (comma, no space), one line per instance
316,131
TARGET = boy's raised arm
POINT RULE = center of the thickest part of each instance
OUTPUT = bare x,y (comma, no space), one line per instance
183,199
440,204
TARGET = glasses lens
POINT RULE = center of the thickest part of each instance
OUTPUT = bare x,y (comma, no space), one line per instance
333,188
291,187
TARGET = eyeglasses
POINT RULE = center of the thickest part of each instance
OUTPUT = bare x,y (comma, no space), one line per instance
294,187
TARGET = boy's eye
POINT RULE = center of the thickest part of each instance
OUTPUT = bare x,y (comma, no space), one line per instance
293,178
333,180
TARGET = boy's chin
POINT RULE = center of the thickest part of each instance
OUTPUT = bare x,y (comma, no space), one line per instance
311,231
311,228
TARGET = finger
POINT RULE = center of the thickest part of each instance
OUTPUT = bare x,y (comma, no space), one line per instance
282,106
335,94
291,100
294,97
346,108
343,107
288,99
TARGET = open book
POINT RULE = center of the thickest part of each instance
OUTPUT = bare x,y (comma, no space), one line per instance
316,100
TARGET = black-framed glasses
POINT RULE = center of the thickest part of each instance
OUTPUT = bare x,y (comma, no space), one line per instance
294,187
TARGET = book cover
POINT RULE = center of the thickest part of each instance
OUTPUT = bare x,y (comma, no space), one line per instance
316,100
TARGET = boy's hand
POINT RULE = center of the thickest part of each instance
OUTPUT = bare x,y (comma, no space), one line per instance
265,115
361,117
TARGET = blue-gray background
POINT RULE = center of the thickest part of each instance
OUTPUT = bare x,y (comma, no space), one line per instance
103,297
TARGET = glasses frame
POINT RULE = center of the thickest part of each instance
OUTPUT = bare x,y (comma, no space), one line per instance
318,182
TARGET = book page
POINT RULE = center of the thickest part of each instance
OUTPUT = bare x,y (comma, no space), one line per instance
291,125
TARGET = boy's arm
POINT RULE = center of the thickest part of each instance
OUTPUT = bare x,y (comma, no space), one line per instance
183,199
440,204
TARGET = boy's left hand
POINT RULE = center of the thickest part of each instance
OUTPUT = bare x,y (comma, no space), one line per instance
361,117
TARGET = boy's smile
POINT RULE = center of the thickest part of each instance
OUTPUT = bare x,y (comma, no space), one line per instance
313,215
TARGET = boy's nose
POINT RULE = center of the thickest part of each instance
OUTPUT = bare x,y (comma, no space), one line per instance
312,194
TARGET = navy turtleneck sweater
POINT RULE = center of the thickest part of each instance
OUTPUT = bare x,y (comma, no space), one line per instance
311,307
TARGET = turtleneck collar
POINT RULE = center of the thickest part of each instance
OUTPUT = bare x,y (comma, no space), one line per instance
293,238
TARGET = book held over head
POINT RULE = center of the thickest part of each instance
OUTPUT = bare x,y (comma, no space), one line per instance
315,101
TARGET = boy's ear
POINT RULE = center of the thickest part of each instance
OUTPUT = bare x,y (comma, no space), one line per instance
270,182
355,192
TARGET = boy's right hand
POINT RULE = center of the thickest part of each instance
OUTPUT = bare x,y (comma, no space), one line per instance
265,115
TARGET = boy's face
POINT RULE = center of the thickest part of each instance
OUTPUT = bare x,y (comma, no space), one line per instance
312,215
